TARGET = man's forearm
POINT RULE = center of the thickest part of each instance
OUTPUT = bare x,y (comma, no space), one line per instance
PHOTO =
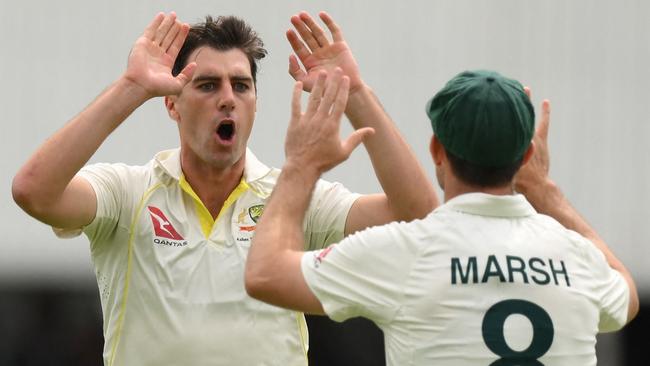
547,198
280,228
393,160
49,170
273,267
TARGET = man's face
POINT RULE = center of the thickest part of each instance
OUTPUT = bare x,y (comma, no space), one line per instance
216,109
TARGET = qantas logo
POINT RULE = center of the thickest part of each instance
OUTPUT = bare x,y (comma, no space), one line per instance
164,229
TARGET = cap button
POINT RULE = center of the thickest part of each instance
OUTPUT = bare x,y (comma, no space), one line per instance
490,78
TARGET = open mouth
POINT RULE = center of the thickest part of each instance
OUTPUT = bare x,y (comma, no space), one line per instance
226,130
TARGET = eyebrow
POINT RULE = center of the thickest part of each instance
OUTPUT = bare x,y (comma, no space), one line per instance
212,77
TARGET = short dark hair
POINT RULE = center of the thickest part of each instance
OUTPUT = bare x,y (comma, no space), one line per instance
223,33
482,176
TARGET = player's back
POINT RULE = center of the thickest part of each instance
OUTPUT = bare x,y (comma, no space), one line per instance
495,281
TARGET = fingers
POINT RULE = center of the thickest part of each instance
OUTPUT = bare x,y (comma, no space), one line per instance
328,97
341,99
295,71
185,75
179,39
316,94
358,136
167,32
298,46
171,35
164,28
334,90
355,139
337,34
314,135
542,125
545,119
150,31
316,30
296,112
305,33
331,91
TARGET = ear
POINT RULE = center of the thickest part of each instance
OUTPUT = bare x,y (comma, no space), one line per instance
170,104
437,150
529,153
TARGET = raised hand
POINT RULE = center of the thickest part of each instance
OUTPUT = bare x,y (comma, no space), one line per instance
313,140
316,52
153,55
535,171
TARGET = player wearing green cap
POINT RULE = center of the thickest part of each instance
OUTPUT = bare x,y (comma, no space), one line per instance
169,239
483,279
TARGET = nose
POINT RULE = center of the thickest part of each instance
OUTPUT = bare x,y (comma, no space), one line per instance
227,98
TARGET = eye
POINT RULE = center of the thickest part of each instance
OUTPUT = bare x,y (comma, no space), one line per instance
240,87
207,87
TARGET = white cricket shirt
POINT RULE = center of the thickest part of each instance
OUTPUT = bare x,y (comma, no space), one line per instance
481,279
171,280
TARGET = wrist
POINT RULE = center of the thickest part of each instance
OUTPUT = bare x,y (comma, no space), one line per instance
308,173
543,195
132,89
302,168
360,101
357,87
359,94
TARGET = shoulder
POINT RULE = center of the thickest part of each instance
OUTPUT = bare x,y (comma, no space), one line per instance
119,168
553,228
264,185
395,237
123,182
324,188
120,171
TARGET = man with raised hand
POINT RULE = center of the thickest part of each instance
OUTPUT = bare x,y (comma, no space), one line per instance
169,239
391,156
356,341
443,288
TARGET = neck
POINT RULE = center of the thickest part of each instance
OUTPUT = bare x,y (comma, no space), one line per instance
454,187
212,184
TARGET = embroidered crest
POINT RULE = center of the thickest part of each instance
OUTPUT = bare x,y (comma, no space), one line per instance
255,212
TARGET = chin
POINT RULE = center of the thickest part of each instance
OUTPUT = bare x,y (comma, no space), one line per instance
224,161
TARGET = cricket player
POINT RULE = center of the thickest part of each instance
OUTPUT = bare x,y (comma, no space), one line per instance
484,279
169,239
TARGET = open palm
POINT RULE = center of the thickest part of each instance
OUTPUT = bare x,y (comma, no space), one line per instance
152,57
317,53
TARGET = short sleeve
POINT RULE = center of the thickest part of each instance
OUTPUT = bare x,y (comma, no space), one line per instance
364,275
610,288
327,213
107,181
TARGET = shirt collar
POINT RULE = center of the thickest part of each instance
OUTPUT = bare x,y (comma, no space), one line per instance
168,162
484,204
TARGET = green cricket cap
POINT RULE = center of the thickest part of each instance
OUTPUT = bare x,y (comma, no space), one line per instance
483,118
